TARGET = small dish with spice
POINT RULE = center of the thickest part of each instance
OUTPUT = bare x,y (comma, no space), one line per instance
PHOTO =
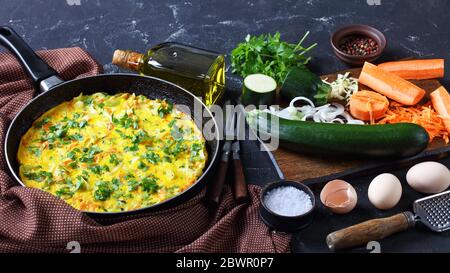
357,44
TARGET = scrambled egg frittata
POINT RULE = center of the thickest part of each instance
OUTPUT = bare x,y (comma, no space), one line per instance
104,153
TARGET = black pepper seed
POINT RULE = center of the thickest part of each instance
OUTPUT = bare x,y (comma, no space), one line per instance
359,46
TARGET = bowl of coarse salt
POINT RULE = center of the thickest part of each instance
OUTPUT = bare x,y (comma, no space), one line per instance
287,206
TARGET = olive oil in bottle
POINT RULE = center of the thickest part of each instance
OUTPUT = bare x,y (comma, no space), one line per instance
199,71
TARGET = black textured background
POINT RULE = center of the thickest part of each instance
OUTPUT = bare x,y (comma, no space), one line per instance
414,28
417,28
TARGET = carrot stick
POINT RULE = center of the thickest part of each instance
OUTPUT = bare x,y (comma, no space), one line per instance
390,85
440,99
368,105
416,69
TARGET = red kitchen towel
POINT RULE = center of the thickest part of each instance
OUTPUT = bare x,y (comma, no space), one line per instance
34,221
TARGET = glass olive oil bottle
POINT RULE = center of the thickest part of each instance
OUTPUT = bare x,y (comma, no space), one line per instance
199,71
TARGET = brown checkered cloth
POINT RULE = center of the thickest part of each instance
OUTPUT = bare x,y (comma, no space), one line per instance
34,221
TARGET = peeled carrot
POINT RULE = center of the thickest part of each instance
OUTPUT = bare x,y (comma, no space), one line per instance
416,69
368,105
390,85
440,99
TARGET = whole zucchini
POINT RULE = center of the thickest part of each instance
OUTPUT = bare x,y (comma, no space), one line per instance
390,140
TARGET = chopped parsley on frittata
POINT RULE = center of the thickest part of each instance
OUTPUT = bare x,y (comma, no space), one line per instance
110,153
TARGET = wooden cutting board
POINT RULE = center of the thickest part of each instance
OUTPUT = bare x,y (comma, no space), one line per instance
300,167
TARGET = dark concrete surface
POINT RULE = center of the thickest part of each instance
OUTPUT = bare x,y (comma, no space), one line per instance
414,28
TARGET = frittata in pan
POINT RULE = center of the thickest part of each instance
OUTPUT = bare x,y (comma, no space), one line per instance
111,153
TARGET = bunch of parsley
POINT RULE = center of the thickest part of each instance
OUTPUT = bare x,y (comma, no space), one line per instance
267,54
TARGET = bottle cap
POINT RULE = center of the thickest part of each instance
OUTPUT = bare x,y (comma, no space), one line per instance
127,59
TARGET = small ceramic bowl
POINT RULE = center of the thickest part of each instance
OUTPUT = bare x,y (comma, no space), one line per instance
357,30
283,223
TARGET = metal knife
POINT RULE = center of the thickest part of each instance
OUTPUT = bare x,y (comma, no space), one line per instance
260,164
240,186
214,191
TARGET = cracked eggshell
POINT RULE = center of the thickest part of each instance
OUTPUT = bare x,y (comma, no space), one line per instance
339,197
385,191
429,177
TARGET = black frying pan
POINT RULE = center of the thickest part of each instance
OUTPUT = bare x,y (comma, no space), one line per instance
52,91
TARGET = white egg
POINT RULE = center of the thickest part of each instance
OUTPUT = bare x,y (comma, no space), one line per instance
385,191
429,177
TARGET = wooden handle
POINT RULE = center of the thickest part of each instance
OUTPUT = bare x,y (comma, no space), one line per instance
214,190
371,230
240,186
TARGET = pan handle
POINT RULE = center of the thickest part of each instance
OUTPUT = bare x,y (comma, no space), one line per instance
42,74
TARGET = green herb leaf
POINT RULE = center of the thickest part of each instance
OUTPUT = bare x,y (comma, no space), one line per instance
174,147
40,176
115,183
82,124
196,148
96,169
42,122
103,191
268,55
149,184
113,159
35,150
129,175
165,108
132,148
125,121
142,166
64,191
152,157
132,184
177,132
76,137
323,94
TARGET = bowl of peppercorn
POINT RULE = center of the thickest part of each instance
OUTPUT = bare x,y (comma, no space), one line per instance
357,44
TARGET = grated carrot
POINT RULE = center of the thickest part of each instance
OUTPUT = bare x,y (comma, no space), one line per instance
423,115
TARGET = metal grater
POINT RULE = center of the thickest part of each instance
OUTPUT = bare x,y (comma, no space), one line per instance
434,211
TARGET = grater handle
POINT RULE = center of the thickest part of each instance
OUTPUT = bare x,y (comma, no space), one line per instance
372,230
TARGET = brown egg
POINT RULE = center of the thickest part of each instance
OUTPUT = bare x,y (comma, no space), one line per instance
339,196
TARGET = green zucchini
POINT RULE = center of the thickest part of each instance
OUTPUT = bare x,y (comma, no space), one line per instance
390,140
258,89
301,82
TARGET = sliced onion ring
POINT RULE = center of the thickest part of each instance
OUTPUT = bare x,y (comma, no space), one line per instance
328,113
291,104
